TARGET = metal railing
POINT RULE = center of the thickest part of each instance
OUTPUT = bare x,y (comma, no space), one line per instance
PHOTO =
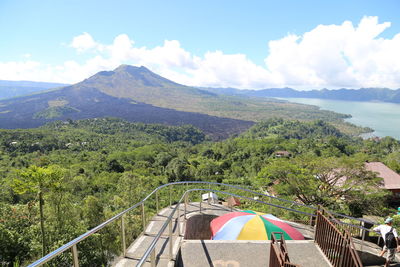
279,256
335,243
151,249
72,245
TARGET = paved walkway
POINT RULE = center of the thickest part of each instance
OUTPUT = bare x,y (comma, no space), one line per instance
240,253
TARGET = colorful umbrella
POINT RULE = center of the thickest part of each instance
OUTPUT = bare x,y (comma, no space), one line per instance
250,225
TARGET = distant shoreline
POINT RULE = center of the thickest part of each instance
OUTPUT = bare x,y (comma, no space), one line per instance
382,118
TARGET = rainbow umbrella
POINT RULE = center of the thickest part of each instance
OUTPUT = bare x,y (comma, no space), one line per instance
250,225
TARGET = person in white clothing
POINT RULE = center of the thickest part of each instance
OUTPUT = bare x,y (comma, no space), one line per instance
383,230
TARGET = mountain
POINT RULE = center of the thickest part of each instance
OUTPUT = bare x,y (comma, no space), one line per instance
68,103
143,85
362,94
139,95
10,89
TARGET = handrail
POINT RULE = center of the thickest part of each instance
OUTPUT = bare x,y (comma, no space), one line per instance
255,200
151,248
279,256
244,189
72,244
75,241
336,244
63,248
153,244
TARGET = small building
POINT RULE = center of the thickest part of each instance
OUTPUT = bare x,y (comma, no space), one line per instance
233,202
210,197
391,179
282,154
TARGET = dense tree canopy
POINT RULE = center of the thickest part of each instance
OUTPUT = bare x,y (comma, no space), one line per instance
62,179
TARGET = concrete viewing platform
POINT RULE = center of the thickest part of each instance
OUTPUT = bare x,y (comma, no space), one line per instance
191,245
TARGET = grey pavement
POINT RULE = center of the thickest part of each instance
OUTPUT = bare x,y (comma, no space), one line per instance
240,253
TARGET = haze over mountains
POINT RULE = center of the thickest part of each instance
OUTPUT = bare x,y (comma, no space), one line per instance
362,94
139,95
10,89
147,84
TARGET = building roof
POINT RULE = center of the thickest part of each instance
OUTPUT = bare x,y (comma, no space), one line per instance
391,179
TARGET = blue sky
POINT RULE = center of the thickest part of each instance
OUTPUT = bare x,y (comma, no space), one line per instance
37,40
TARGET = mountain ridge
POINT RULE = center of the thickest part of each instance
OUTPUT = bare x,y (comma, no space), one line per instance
9,89
362,94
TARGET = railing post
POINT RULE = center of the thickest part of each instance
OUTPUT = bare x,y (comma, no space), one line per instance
170,240
157,201
200,203
143,218
209,195
75,256
153,258
362,238
185,197
178,227
170,195
342,251
123,241
187,188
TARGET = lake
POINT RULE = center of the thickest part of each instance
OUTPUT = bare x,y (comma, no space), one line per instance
383,117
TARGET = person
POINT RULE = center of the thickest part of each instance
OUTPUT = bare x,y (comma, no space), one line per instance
384,229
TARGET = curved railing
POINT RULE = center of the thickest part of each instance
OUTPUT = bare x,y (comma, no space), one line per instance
72,245
151,248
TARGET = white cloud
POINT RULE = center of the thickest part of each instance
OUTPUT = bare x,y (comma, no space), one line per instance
327,56
338,56
85,42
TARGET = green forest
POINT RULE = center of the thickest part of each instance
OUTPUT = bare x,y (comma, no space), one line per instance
64,178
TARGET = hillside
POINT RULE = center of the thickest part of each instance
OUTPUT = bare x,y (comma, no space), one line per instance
139,95
93,169
36,110
142,85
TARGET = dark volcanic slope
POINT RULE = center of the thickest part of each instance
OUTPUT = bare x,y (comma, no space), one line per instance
69,103
143,85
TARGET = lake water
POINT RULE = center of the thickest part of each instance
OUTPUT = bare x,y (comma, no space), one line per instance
384,118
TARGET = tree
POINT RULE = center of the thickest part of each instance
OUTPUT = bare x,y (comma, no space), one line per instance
39,180
326,181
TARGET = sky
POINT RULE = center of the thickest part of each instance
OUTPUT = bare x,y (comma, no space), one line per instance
214,43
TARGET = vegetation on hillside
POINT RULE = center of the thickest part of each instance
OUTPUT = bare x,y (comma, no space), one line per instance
64,178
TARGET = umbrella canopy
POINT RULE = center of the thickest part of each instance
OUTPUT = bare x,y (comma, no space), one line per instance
250,225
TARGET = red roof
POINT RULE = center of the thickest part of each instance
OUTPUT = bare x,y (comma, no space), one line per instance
391,179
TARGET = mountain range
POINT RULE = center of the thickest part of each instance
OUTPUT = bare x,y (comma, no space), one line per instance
140,95
9,89
362,94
